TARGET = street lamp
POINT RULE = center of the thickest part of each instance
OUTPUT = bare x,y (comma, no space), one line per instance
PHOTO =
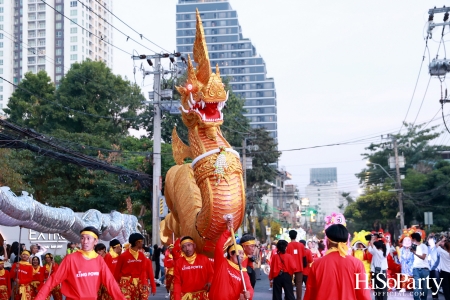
374,164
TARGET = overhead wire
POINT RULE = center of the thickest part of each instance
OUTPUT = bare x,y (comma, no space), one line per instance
140,34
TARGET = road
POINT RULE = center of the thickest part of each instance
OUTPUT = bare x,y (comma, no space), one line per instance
262,292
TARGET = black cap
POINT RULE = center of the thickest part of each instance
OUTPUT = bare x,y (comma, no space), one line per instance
114,242
91,229
337,233
134,237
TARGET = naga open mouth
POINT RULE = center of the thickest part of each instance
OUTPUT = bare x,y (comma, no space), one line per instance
208,111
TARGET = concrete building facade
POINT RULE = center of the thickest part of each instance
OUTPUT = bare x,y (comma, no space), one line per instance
40,37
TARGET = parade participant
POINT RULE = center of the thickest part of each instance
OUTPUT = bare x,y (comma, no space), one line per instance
421,269
5,281
131,270
406,259
258,257
82,272
433,262
193,273
282,267
297,251
37,250
378,267
169,264
337,276
71,248
100,249
248,243
308,259
227,282
38,276
51,267
22,275
148,276
111,258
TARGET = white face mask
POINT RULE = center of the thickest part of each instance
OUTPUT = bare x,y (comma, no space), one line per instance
431,243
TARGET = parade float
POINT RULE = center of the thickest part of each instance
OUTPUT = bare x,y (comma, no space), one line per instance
200,193
26,212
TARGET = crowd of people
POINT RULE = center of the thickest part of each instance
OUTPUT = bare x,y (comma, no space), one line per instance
328,269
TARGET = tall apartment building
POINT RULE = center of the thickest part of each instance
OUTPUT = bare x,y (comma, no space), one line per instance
322,192
35,36
236,56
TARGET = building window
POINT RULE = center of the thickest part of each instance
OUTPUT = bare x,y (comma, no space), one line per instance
73,57
1,10
1,44
1,88
73,39
58,52
58,25
1,70
58,77
73,3
73,12
1,62
58,69
73,30
73,48
1,36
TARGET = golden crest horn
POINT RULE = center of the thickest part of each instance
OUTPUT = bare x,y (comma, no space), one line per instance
201,55
217,70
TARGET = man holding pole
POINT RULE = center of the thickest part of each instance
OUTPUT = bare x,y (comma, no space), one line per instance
230,281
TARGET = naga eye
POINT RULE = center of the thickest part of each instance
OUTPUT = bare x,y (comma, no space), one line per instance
189,87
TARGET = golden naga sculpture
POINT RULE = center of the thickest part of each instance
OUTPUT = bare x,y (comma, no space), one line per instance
199,194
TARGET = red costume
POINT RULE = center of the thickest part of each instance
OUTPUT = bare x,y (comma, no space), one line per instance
338,278
49,269
297,251
227,281
38,280
131,274
191,278
149,276
25,275
309,260
169,263
111,262
81,278
5,285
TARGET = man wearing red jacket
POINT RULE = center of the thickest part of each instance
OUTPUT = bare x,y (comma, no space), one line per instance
309,259
131,270
337,275
282,267
193,273
82,272
297,251
227,282
22,275
5,281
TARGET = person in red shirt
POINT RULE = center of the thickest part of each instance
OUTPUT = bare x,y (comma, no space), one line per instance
131,270
308,258
38,276
148,275
5,282
282,267
297,251
111,258
193,273
248,243
22,275
227,281
169,265
337,275
50,267
82,272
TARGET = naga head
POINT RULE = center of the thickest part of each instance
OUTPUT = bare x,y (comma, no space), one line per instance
203,97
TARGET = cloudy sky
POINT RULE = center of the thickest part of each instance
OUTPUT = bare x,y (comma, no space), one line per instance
344,70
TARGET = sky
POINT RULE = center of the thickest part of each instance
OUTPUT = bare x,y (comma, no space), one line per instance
344,71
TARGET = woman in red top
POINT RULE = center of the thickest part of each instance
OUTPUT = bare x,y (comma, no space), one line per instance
282,268
22,275
38,276
50,268
5,282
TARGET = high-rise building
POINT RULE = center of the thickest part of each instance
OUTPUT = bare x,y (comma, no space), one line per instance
35,36
235,55
322,192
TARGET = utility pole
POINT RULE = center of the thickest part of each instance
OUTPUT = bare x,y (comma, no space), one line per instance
244,167
156,150
398,184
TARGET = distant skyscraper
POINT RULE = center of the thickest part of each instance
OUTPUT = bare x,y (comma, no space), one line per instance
322,191
34,37
236,56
